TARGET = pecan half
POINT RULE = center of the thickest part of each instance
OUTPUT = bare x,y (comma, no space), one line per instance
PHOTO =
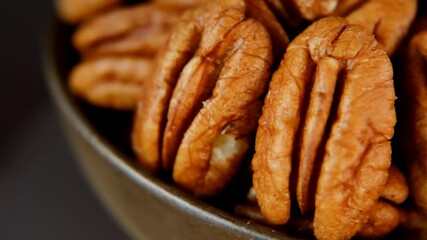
75,11
118,49
203,105
414,114
384,217
329,111
111,82
137,30
388,20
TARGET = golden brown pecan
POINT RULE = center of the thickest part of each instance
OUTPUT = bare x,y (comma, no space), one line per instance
118,49
396,188
197,36
383,218
75,11
181,3
112,82
344,7
203,105
388,20
329,111
137,30
315,9
414,114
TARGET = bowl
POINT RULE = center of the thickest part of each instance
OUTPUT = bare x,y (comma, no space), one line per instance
144,205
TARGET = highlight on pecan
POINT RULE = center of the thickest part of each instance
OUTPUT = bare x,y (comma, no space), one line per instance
75,11
203,105
111,82
414,114
315,9
388,20
137,30
329,117
396,189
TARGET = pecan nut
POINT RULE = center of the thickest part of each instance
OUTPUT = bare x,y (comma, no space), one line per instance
328,116
203,105
388,20
382,220
118,49
75,11
385,216
312,10
137,30
111,82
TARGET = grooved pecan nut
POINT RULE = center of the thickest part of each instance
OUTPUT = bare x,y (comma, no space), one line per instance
118,49
75,11
388,20
137,30
329,109
203,105
383,217
112,82
414,129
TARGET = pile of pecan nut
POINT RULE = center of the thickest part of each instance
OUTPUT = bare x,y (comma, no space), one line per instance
319,89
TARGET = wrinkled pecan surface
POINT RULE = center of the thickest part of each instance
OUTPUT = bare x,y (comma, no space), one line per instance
136,30
383,217
111,82
118,49
203,105
388,20
330,107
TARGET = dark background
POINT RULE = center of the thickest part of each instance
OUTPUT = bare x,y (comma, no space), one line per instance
42,193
